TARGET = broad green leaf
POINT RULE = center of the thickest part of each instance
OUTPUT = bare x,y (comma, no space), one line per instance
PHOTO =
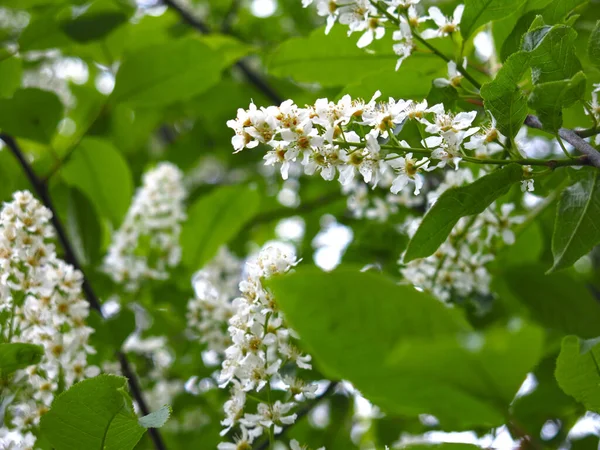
230,48
31,114
100,172
503,97
552,51
480,12
95,21
577,229
456,203
156,419
11,70
403,349
550,98
166,73
577,370
330,60
558,10
94,414
594,45
556,301
15,356
215,219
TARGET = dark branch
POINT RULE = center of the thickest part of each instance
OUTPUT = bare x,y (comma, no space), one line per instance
572,138
70,257
250,74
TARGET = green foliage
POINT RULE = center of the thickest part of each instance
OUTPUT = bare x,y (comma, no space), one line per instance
15,356
456,203
97,414
576,228
11,71
215,219
480,12
594,45
97,20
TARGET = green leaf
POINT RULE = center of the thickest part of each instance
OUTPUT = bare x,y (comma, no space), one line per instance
558,10
100,172
166,73
230,48
94,414
550,98
31,114
15,356
594,45
577,229
480,12
330,60
215,219
456,203
552,51
156,419
503,97
95,21
556,301
11,70
110,334
577,370
404,350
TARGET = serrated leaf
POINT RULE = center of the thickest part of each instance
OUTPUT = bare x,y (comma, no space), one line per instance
163,74
480,12
215,219
577,225
330,60
503,97
15,356
31,114
456,203
550,98
577,370
156,419
594,45
100,172
404,350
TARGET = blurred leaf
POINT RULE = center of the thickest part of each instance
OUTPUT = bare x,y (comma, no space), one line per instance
166,73
549,99
576,229
31,114
480,12
215,219
156,419
594,45
456,203
228,47
330,60
11,70
577,370
96,20
42,33
557,301
15,356
11,175
101,173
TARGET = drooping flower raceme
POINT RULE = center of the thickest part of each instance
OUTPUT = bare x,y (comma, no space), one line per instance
261,346
40,303
147,243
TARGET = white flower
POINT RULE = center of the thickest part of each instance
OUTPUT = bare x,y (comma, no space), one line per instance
408,169
446,25
454,76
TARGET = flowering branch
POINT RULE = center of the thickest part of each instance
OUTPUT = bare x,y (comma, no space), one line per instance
573,138
71,258
252,76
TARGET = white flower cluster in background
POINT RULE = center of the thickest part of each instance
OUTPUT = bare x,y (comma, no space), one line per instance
216,285
40,303
594,110
458,267
346,139
147,243
373,18
262,345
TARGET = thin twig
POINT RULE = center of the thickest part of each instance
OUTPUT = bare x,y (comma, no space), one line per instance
249,73
70,257
572,138
308,407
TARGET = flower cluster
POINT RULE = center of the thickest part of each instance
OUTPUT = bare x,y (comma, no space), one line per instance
594,110
40,303
216,285
352,137
372,18
261,346
147,243
458,267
